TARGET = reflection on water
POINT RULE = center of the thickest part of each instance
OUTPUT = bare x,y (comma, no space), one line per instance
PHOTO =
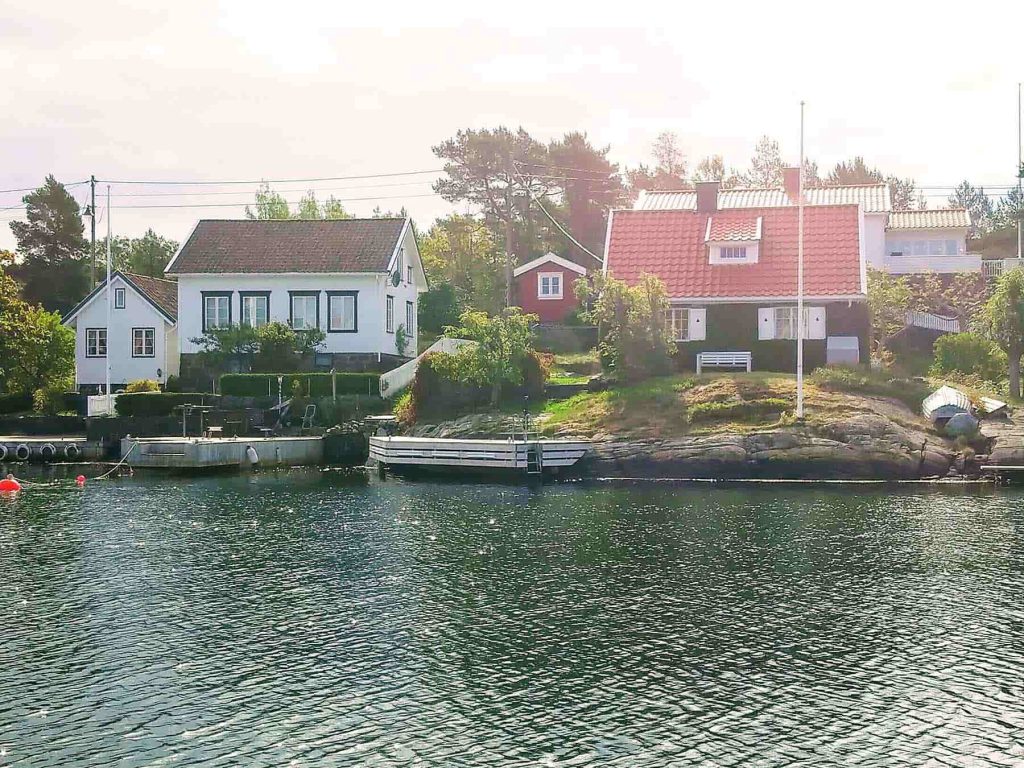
331,620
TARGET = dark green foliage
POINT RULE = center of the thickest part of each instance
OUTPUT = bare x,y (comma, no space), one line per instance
734,410
16,402
839,379
438,308
969,353
173,384
159,403
313,384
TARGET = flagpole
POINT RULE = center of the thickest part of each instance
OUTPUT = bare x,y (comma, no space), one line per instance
1020,178
800,279
109,401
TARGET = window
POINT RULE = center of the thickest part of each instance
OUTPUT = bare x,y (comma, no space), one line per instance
410,318
785,323
143,342
95,342
549,285
920,247
342,311
305,310
733,252
936,247
255,308
408,273
389,323
216,310
951,248
679,323
119,298
780,323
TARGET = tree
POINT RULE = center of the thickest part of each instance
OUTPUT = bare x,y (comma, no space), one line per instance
589,185
1008,211
968,353
36,350
501,171
635,341
462,252
53,248
889,299
269,205
438,308
976,203
149,254
1003,319
712,168
503,342
272,348
668,171
765,166
902,192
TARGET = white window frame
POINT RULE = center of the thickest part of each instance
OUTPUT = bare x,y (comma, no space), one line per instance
119,298
389,315
217,299
408,273
717,252
145,334
252,298
341,326
789,324
551,277
96,341
410,318
304,299
679,323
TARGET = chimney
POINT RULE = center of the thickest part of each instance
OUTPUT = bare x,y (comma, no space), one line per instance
707,196
791,183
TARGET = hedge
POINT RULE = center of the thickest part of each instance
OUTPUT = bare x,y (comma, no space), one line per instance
313,384
16,403
159,403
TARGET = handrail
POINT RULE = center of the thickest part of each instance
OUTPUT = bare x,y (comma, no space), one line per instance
397,379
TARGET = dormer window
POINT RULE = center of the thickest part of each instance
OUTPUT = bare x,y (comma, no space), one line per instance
733,238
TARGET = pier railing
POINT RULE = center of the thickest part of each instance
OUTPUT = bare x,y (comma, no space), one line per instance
394,381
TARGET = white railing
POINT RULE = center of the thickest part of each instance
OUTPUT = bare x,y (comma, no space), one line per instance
97,405
993,268
394,381
942,265
933,322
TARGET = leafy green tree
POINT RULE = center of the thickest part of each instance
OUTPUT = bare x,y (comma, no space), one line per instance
902,192
889,298
272,348
463,252
38,350
1003,319
765,166
1008,212
269,205
503,342
635,340
977,204
54,268
968,353
668,171
380,213
712,168
438,308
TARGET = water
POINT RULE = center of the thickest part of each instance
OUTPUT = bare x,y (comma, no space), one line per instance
313,620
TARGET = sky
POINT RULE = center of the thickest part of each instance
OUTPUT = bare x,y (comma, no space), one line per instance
215,91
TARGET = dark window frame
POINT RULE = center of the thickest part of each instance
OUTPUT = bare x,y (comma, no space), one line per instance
355,311
389,313
291,296
210,294
106,343
242,295
119,291
144,328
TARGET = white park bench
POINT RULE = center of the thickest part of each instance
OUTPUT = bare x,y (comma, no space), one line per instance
723,360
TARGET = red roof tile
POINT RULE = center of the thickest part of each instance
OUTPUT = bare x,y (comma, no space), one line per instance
734,227
670,244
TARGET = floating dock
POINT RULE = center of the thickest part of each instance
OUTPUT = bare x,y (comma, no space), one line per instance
49,449
520,456
220,452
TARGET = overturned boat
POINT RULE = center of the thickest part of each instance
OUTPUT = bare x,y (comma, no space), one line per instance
945,403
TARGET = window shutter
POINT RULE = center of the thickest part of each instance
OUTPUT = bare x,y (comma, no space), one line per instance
698,324
816,323
765,323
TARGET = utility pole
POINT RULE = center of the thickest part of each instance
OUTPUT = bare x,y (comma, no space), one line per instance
1020,178
800,278
92,226
509,203
109,345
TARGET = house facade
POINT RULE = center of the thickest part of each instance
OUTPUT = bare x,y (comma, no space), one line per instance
928,235
141,341
731,277
546,287
357,280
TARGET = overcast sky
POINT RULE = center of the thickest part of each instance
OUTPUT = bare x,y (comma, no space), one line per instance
246,90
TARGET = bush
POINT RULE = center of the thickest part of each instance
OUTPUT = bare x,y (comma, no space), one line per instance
142,385
159,403
737,409
48,401
438,308
313,384
173,384
841,379
16,402
970,354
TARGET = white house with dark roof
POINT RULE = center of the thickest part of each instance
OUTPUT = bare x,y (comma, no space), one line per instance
357,280
901,242
142,342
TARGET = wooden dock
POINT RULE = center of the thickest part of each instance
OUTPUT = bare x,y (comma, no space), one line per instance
514,456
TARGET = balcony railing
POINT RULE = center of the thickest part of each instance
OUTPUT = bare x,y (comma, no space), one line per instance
942,265
993,268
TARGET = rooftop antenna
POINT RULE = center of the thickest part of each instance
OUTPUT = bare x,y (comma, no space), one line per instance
800,278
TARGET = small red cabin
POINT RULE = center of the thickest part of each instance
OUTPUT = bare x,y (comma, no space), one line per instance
545,287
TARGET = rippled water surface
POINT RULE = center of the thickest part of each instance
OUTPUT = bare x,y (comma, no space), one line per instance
331,620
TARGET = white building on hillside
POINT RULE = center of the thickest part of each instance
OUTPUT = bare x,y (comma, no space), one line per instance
142,341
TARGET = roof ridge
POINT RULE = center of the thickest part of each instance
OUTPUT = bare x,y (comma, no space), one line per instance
306,221
145,277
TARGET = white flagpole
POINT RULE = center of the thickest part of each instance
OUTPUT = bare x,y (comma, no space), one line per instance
800,279
109,401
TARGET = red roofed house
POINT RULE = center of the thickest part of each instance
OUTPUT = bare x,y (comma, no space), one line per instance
545,287
731,277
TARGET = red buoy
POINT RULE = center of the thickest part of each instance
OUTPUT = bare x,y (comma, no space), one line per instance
10,484
80,480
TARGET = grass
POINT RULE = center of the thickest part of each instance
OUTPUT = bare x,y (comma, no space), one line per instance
567,378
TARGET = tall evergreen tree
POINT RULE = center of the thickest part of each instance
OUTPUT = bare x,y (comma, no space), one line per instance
978,206
53,249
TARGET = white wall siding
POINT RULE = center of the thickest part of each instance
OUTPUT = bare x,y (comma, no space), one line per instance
874,239
137,313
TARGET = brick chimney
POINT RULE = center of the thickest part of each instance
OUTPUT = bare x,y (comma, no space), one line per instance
707,196
791,183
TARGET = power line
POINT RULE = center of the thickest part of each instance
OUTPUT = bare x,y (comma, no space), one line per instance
254,203
268,181
280,191
33,189
561,229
